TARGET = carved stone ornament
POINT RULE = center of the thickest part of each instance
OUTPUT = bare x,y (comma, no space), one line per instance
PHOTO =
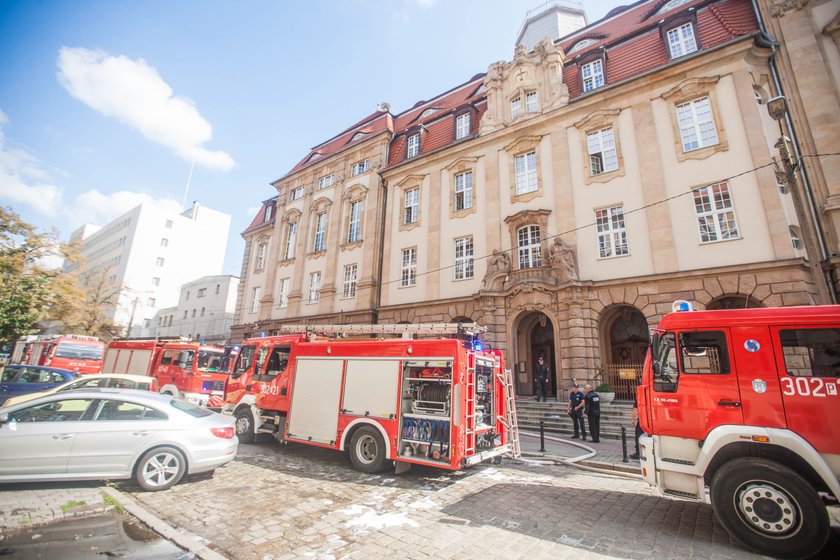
498,268
779,9
562,259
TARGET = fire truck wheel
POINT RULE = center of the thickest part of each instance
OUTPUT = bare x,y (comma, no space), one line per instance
367,450
769,508
160,468
244,426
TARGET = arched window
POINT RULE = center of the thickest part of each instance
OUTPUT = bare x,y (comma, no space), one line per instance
529,245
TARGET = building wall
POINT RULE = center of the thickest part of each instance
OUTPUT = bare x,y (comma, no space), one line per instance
201,315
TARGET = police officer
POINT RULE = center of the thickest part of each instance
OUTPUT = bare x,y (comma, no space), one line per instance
575,410
542,375
592,408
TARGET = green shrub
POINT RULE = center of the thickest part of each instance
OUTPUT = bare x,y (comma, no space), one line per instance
603,388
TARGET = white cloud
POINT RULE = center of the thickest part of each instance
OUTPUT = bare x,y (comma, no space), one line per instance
95,207
402,14
134,93
23,180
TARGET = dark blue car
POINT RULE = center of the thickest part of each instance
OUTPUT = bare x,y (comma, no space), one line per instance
21,379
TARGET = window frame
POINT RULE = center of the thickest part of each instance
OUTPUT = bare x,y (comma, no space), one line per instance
408,267
354,221
596,79
464,258
319,232
259,264
255,300
530,252
314,287
614,236
290,240
465,190
326,181
359,167
283,292
462,131
351,273
715,213
527,179
411,201
412,145
685,44
602,151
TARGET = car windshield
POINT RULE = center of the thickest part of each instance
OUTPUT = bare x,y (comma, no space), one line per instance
78,351
190,408
210,361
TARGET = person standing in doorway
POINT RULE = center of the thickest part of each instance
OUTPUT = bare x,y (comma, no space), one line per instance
575,410
542,374
592,408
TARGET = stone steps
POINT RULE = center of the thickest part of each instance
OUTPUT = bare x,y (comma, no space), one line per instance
614,416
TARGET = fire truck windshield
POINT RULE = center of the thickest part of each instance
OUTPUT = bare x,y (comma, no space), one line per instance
244,361
209,361
78,352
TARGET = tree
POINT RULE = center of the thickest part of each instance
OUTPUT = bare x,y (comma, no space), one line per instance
83,304
26,282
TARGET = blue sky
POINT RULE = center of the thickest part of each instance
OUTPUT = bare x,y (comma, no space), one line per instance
104,104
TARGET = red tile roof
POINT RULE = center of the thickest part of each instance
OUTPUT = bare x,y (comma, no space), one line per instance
259,219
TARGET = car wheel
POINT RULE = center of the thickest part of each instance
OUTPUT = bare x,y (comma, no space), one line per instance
770,508
367,450
160,468
244,426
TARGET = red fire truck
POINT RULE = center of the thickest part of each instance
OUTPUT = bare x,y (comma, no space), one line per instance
185,369
440,402
746,403
74,352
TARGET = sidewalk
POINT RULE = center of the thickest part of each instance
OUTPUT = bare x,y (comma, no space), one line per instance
608,452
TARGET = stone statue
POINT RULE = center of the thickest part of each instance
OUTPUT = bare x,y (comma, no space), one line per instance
562,259
499,263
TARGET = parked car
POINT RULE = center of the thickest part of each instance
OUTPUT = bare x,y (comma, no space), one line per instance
94,381
22,379
111,434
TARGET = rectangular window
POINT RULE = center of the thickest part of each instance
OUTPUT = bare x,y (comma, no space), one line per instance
464,262
201,292
354,230
462,126
349,281
168,224
155,281
463,191
164,242
532,103
525,166
703,352
326,181
255,300
283,291
592,75
185,314
218,286
291,235
260,260
314,287
412,206
320,232
193,311
612,233
188,296
269,211
715,214
202,312
681,40
150,302
160,261
413,146
408,270
296,193
697,125
602,153
811,352
515,106
530,247
358,168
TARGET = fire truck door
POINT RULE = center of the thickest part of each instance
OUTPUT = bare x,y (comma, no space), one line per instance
808,361
695,387
316,395
755,365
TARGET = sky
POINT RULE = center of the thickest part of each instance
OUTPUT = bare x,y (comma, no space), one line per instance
107,104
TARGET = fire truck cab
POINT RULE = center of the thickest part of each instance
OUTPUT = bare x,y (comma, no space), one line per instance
745,405
185,369
74,352
437,402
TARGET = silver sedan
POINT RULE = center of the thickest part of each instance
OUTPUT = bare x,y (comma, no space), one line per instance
112,434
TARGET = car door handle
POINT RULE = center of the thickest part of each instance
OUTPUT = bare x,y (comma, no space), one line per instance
62,436
729,403
140,434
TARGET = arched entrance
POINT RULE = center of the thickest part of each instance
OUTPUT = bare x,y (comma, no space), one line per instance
535,338
738,301
625,339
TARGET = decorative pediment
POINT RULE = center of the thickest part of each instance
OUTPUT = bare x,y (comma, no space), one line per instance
354,192
462,164
523,144
540,71
410,181
598,119
690,89
321,205
291,215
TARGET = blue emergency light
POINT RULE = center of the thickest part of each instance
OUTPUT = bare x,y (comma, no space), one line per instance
682,305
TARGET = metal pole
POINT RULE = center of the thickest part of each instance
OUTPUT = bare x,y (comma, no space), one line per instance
624,458
542,436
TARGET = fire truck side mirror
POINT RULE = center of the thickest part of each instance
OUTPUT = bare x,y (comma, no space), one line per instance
654,347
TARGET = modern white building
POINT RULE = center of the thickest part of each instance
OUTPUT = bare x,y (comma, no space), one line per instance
204,312
147,254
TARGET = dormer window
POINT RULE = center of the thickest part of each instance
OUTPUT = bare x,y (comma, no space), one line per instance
358,136
681,40
269,211
462,126
592,75
413,148
580,45
427,112
314,156
668,6
532,103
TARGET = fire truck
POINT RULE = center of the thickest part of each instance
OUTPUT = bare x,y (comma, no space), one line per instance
742,409
74,352
183,368
441,401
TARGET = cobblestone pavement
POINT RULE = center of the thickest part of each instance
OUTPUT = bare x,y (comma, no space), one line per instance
296,501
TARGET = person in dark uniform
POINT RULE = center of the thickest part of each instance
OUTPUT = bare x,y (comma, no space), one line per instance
635,420
542,374
592,409
575,410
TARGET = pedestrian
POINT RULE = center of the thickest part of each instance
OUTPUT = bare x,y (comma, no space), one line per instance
575,410
592,408
634,419
542,375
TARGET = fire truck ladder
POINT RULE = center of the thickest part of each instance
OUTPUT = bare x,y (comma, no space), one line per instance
404,330
509,420
469,419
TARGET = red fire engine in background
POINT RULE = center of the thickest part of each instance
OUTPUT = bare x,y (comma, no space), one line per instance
746,403
440,402
72,352
185,369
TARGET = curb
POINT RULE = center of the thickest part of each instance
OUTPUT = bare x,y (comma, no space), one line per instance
185,541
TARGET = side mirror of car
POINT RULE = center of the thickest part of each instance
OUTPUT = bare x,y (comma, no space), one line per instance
4,418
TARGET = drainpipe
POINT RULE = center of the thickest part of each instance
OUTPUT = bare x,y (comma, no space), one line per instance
765,40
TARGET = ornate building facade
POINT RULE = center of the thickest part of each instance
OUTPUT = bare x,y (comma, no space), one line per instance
564,199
